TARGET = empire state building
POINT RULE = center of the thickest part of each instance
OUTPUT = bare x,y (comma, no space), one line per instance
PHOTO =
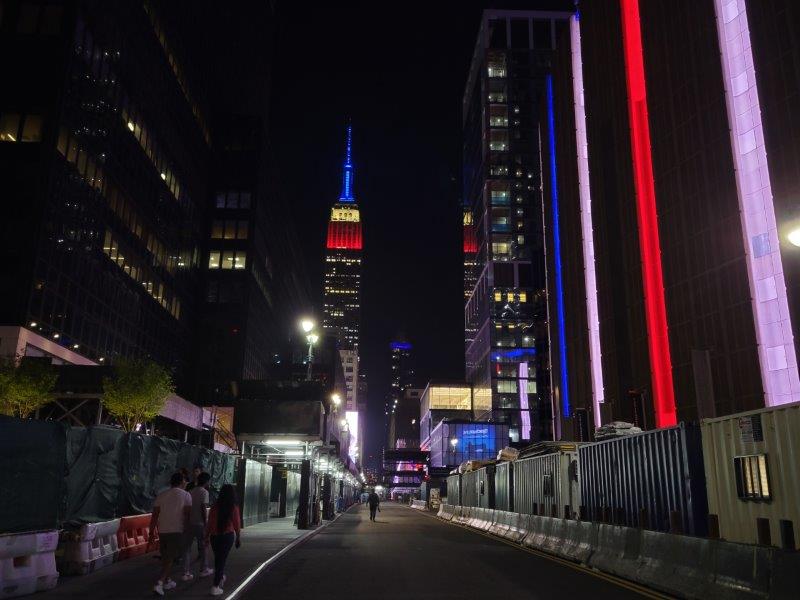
342,310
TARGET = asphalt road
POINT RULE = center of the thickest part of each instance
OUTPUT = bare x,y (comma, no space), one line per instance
406,554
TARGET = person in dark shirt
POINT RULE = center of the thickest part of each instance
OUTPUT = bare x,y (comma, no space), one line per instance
374,502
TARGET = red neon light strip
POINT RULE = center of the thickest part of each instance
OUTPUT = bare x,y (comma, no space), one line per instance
470,240
652,276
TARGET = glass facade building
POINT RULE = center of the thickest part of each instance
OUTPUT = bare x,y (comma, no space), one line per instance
454,441
507,353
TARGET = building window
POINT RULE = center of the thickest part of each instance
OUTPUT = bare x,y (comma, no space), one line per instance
498,296
752,477
9,127
228,259
505,386
20,128
500,249
523,296
213,260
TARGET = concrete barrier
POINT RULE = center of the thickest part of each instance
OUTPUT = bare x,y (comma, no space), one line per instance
445,512
133,536
501,523
518,527
92,547
419,505
27,563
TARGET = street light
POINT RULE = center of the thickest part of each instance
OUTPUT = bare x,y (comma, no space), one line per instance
306,325
794,236
336,399
453,444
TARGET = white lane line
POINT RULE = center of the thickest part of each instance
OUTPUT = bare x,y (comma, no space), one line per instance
275,557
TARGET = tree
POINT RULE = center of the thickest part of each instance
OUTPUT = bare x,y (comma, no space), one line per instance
137,392
25,385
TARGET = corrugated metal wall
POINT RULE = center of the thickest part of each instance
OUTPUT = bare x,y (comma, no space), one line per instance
454,489
292,493
537,485
477,488
773,433
255,481
503,486
659,472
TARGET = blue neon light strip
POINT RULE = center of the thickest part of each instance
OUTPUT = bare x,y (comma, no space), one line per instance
347,182
562,337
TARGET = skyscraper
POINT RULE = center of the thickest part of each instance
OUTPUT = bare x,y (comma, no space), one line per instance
508,358
342,309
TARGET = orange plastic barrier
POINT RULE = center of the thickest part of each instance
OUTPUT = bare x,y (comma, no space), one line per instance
132,536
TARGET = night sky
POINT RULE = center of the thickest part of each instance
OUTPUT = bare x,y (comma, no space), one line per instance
399,75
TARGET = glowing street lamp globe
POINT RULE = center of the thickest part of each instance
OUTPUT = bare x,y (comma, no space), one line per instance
306,325
794,237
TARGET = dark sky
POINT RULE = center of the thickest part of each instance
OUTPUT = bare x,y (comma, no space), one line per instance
398,71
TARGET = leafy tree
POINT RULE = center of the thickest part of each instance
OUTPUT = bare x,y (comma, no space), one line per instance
137,392
25,385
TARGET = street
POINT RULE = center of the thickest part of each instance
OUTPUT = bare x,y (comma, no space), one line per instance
408,554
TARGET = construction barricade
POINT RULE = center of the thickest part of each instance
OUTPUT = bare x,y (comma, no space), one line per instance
132,536
27,563
92,547
445,511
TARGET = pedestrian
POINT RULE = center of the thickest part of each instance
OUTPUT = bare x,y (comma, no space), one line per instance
171,511
223,531
197,529
195,476
374,505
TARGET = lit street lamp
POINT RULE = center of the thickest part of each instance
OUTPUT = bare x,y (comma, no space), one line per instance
453,444
311,338
336,399
306,325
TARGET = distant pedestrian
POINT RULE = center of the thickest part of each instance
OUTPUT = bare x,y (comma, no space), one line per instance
196,472
222,531
374,505
171,511
197,529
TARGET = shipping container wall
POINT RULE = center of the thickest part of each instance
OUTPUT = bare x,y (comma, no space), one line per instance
752,463
545,485
454,489
477,488
503,486
657,476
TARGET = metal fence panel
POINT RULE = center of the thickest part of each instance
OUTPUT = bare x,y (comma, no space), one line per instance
652,476
538,488
454,489
503,486
477,488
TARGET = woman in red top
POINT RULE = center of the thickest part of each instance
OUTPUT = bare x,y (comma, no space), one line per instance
222,529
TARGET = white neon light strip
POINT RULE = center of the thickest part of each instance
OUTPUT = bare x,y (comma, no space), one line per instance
776,352
590,279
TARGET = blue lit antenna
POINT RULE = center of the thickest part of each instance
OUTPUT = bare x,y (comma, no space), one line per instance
347,181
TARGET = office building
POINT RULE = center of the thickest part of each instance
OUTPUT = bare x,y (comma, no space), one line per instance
441,400
404,420
677,164
508,357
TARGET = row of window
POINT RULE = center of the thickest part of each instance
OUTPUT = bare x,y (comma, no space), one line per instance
141,274
20,128
98,60
233,199
510,296
228,259
93,175
177,71
229,230
222,292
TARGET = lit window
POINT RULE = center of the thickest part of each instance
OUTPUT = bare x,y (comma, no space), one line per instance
9,127
510,296
752,478
240,260
498,296
32,129
216,230
505,386
227,259
213,260
523,296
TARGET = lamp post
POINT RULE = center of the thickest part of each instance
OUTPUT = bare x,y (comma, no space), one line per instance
453,444
337,400
311,338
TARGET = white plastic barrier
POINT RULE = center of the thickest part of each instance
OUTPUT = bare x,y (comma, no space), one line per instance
92,547
27,563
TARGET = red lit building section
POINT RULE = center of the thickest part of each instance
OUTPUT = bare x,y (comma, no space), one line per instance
344,235
653,281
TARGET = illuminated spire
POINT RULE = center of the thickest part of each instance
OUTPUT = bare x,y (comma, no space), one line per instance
347,180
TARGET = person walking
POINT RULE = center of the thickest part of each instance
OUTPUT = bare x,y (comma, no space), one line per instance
196,472
197,529
171,511
223,531
374,504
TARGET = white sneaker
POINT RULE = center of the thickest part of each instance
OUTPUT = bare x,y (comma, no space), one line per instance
216,590
187,577
158,589
170,585
206,572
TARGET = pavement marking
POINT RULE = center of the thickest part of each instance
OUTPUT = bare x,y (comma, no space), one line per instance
635,587
274,558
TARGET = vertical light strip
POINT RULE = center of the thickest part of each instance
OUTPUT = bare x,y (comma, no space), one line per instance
562,335
523,399
776,351
584,192
650,247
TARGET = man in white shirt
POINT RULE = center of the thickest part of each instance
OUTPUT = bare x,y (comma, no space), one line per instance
197,528
171,511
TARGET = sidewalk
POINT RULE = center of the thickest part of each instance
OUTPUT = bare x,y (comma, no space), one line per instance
134,578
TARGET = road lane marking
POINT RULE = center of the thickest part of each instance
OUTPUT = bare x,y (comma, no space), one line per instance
635,587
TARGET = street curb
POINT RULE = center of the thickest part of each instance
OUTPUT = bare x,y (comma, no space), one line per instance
277,556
